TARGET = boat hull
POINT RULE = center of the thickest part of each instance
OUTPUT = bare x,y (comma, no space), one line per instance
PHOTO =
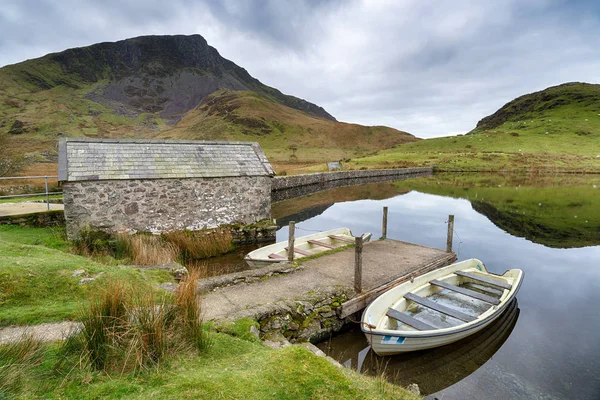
387,340
277,252
386,345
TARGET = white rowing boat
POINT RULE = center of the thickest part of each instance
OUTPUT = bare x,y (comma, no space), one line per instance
438,308
303,246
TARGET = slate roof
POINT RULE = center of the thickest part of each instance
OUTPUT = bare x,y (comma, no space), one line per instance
108,159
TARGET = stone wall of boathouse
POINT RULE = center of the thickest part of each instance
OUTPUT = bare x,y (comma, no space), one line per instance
161,205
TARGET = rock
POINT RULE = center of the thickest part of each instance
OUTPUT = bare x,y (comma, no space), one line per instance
414,389
312,330
254,331
168,286
85,281
79,272
179,273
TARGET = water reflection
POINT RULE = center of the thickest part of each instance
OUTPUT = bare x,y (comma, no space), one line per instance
432,370
554,351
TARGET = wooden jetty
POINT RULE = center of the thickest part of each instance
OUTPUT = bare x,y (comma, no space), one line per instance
320,292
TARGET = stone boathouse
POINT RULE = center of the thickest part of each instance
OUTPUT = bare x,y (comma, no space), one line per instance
128,185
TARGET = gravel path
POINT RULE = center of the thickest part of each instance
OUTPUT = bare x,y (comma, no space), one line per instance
49,332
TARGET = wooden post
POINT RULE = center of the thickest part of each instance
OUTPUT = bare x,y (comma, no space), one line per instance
358,247
384,224
450,233
291,238
47,195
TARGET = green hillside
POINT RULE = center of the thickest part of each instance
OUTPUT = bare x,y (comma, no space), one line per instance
554,130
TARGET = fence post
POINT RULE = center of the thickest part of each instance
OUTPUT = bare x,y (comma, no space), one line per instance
450,233
358,247
291,239
47,195
384,224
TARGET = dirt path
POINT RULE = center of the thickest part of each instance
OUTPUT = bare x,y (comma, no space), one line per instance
49,332
26,208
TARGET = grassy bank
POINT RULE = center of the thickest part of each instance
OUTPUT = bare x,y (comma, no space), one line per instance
36,282
36,285
232,368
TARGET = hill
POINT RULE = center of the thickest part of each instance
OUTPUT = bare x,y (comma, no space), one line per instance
554,130
289,137
146,86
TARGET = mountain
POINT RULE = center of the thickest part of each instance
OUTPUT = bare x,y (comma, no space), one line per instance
553,130
168,75
167,86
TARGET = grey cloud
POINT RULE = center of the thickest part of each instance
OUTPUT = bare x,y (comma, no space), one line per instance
431,68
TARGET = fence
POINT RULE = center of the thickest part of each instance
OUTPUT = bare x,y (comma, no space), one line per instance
46,192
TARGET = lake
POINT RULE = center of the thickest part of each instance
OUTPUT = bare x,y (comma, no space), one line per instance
545,347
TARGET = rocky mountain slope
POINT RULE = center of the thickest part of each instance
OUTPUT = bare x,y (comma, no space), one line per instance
167,86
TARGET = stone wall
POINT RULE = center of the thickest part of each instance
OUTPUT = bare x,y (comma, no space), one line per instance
162,205
286,182
39,220
288,187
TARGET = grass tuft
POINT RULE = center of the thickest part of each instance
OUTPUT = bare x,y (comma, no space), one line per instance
198,245
148,249
17,361
127,330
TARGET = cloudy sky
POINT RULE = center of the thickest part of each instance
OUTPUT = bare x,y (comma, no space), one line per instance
432,68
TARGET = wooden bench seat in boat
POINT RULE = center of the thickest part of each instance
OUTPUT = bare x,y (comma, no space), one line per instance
341,238
466,292
318,243
483,279
439,307
276,256
408,320
300,251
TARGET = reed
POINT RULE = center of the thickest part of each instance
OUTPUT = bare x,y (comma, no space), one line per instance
17,361
125,329
105,323
199,245
148,249
189,304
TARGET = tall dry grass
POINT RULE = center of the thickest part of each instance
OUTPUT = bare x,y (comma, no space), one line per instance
198,245
189,305
17,361
148,249
125,329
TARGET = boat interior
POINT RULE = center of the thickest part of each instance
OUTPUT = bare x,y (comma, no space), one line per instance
316,246
449,301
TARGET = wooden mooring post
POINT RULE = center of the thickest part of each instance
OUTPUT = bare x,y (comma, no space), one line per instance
384,224
450,233
358,248
291,239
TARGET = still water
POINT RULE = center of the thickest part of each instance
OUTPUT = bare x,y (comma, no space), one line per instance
548,345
